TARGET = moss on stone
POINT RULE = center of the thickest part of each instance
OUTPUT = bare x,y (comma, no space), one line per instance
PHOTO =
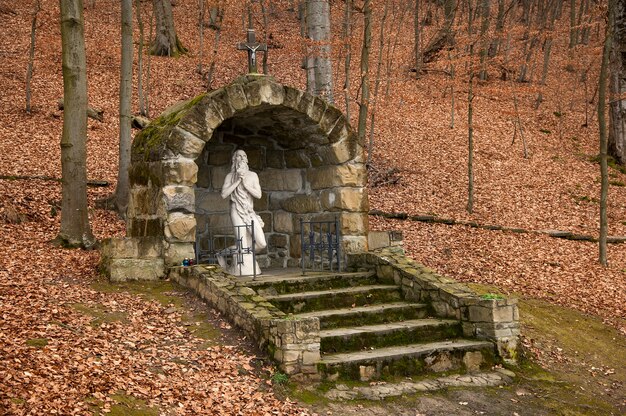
100,314
152,139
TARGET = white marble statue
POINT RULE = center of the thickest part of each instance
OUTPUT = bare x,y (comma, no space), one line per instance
241,185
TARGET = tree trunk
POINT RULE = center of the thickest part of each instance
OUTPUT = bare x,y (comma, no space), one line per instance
140,91
165,43
444,36
347,31
75,229
365,56
381,45
126,89
417,30
573,31
617,86
31,53
319,68
604,177
485,10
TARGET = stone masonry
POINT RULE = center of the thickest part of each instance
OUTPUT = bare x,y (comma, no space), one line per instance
309,163
496,320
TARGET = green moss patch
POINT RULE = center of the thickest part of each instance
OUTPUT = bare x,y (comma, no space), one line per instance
100,314
37,342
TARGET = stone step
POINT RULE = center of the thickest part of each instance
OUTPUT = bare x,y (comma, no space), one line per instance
368,315
408,360
413,331
337,298
278,285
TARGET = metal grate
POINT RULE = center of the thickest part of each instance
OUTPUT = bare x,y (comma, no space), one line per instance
320,245
227,243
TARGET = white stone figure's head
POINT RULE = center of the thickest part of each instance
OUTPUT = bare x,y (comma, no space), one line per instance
239,161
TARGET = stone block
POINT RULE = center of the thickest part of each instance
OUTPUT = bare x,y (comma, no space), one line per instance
178,197
344,199
297,159
184,143
280,180
353,175
353,223
211,202
263,91
301,204
180,171
180,227
353,244
278,241
237,96
176,252
122,270
213,116
221,221
143,201
334,154
378,239
292,97
262,204
218,155
329,119
316,109
275,159
218,174
473,360
283,222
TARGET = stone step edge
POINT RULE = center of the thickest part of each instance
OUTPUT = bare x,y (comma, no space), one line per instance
268,280
382,390
319,293
408,324
321,314
398,352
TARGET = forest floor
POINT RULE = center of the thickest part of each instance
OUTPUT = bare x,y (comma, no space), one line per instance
70,344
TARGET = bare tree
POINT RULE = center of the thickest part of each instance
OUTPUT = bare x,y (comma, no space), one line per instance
31,52
140,91
365,56
126,88
166,43
604,182
417,46
347,29
381,46
318,62
75,230
617,86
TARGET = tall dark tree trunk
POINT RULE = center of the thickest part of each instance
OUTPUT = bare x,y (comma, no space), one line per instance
365,79
604,177
617,86
140,91
381,46
126,88
417,47
31,53
75,229
165,43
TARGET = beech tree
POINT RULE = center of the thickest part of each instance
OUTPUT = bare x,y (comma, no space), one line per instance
318,60
126,89
617,86
365,80
75,229
604,177
165,43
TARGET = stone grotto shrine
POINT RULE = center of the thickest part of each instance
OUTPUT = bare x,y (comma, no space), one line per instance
307,157
380,314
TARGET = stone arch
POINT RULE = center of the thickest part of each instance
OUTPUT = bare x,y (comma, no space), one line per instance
306,154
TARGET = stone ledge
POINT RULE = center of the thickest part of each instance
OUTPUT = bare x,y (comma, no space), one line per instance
496,320
293,343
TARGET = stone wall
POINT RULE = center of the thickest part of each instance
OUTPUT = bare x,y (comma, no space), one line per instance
496,320
309,163
293,343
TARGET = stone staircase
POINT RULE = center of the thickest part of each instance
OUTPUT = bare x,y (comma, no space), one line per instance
368,331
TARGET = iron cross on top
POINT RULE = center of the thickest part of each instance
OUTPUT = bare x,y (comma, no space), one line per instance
252,46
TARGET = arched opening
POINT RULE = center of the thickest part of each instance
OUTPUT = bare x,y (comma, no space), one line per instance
305,153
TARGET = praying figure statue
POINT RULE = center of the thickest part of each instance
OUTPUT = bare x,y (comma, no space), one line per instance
241,185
